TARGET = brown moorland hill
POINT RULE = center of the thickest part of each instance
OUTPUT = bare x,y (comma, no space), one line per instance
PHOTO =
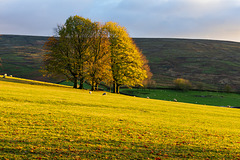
208,64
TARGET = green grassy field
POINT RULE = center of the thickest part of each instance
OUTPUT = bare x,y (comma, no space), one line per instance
39,121
196,97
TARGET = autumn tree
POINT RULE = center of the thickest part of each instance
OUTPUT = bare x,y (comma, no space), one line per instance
98,63
126,60
60,59
148,82
182,84
68,51
86,50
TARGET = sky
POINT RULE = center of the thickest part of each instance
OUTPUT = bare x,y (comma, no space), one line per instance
195,19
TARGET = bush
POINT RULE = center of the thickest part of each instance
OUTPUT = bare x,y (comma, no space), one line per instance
182,84
227,88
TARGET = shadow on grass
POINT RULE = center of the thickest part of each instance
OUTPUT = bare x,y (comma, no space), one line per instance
101,149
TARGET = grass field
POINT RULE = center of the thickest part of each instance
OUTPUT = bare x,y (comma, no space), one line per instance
40,121
196,97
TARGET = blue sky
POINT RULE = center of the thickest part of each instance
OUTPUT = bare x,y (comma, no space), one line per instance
197,19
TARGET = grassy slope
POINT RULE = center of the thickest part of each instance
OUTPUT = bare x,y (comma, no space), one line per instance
39,121
209,64
196,97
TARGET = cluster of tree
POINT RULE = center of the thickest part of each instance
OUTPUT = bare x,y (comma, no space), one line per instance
90,51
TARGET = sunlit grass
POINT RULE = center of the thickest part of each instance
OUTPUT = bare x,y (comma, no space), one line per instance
28,81
39,121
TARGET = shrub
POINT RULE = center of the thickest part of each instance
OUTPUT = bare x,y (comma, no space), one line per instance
227,88
182,84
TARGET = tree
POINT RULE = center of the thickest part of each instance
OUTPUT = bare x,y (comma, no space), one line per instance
126,60
58,61
85,50
227,88
98,64
68,51
148,82
182,84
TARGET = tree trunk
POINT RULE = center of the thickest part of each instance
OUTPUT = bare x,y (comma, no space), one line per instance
110,87
81,83
114,87
97,87
75,82
93,85
117,88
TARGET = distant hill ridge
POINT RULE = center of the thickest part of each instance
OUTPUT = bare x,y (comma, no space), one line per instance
208,64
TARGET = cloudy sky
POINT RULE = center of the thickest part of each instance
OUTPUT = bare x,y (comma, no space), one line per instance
197,19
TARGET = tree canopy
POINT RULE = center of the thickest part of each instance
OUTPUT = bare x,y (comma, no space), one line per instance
68,52
126,59
90,51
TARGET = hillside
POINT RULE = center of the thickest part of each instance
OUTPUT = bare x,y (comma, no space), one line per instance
41,121
22,55
207,64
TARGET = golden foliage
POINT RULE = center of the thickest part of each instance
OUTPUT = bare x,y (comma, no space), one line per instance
182,84
86,50
127,60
